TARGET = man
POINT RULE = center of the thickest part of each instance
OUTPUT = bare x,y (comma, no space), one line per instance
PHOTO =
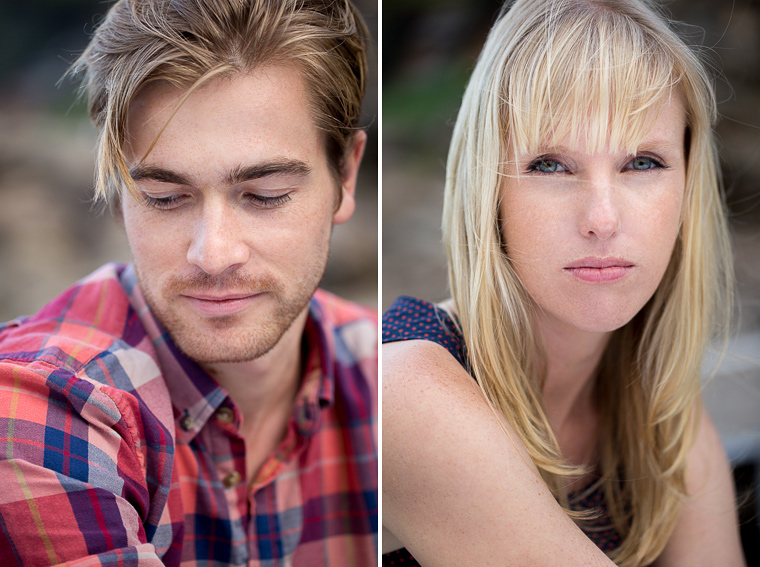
204,405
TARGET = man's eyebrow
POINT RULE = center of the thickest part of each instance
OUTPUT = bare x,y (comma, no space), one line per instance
280,167
238,175
154,173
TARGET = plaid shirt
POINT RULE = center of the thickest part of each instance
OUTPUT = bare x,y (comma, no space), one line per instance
116,449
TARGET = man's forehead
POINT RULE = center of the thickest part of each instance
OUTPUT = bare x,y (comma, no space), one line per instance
164,96
260,116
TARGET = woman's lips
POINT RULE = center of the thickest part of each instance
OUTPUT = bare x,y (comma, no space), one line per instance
600,270
221,305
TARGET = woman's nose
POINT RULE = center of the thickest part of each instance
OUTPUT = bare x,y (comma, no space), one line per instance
601,215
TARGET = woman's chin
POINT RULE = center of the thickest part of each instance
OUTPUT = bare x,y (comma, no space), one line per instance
593,319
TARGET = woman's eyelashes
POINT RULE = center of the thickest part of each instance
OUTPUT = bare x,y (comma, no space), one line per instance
546,164
550,165
645,163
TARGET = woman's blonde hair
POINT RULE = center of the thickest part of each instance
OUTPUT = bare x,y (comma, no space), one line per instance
594,72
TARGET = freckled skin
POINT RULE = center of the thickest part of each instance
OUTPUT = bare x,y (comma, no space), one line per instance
459,486
598,207
218,239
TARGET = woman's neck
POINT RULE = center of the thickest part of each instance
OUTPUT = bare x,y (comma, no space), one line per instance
572,358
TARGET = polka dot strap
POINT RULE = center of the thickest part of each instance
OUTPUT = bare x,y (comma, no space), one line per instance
410,319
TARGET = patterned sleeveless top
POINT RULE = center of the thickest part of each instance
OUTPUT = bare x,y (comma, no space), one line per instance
411,319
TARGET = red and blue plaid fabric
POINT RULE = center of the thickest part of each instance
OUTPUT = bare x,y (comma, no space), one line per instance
116,449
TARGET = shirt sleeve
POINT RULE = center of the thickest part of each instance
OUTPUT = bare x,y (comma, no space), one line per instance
73,482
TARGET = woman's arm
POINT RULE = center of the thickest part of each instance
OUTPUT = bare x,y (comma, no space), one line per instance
458,486
707,532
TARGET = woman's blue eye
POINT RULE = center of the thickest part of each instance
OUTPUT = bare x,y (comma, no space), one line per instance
545,165
643,163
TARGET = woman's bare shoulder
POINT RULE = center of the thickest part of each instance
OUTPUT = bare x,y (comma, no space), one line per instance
428,394
430,405
458,485
426,391
408,364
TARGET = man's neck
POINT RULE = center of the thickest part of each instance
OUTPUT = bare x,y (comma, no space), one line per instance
264,390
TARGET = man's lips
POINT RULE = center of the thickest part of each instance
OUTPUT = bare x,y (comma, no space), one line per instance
222,297
220,305
600,270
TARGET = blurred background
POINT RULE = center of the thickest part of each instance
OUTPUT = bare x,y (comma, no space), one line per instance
429,50
49,234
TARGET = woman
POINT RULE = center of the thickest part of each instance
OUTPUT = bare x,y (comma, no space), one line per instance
589,265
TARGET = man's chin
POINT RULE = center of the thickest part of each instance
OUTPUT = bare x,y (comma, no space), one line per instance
242,336
207,350
228,339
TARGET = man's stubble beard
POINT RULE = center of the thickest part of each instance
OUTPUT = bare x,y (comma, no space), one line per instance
230,338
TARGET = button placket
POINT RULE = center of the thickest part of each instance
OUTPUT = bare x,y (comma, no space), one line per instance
225,418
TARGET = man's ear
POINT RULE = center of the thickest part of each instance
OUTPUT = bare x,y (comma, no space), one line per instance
348,175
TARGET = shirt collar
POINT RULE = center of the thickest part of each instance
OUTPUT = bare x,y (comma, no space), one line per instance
317,390
196,396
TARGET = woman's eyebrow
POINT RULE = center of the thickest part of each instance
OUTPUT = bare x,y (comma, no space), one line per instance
659,143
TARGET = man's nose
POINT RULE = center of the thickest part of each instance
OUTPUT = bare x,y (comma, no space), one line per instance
600,216
218,243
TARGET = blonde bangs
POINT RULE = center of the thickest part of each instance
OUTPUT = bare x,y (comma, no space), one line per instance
592,85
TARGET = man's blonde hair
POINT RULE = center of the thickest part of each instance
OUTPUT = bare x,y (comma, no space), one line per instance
188,42
592,71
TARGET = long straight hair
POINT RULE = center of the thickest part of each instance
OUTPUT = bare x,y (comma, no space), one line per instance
593,72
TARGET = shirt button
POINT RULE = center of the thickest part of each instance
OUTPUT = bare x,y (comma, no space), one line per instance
232,479
225,415
187,423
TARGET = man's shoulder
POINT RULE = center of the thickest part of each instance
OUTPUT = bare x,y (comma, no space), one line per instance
86,353
351,333
352,339
90,318
353,326
88,413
